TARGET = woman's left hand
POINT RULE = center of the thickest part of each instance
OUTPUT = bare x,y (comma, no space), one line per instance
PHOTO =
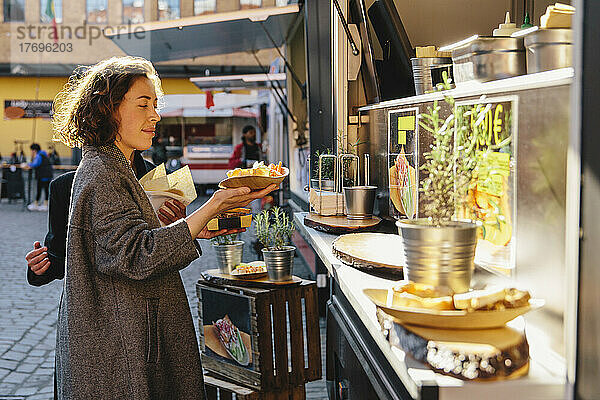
206,234
172,210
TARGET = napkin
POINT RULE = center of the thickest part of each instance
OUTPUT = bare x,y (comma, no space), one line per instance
177,185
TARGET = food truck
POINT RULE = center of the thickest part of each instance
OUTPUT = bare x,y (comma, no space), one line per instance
371,71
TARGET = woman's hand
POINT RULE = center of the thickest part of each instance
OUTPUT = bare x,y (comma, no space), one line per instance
171,211
206,234
220,201
37,259
226,199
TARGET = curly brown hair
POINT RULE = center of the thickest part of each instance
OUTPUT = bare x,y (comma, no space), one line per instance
85,110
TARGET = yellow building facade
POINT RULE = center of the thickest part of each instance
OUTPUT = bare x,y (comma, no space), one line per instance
31,75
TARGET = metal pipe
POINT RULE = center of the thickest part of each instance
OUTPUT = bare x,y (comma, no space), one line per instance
345,25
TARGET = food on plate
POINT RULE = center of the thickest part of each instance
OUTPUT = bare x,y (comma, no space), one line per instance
419,295
230,336
476,299
493,298
422,290
245,269
404,299
258,169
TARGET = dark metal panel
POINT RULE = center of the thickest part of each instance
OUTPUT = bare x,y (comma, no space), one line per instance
587,384
353,355
320,82
192,38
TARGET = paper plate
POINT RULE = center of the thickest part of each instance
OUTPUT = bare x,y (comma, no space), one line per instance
252,181
452,319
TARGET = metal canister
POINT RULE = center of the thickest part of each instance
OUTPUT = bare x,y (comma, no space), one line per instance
280,263
229,255
549,49
441,256
427,72
487,58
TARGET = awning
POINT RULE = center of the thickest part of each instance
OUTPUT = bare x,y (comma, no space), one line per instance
207,35
246,81
226,105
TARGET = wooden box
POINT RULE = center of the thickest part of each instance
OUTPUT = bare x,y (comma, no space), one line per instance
272,323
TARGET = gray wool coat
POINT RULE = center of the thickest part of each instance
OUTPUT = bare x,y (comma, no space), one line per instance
125,329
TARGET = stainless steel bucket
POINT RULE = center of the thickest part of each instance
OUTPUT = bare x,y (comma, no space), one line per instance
229,255
549,49
424,75
360,201
440,256
280,263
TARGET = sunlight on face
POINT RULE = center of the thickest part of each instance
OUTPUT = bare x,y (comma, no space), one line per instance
137,117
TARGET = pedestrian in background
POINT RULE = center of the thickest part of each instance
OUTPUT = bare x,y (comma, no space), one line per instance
247,152
43,175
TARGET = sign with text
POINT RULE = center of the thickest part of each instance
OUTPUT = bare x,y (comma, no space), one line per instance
491,197
15,109
403,162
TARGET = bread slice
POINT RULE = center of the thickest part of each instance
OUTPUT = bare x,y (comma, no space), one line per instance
477,299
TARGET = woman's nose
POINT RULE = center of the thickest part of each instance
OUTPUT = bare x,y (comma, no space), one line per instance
155,117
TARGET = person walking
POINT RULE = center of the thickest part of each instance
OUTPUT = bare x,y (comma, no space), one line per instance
124,326
43,175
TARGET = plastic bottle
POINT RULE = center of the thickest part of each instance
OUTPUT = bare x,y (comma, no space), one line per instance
507,28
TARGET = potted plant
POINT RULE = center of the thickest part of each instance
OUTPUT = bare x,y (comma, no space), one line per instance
439,249
327,171
274,230
229,252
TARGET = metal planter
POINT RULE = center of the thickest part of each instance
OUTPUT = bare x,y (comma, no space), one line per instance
280,263
440,256
229,255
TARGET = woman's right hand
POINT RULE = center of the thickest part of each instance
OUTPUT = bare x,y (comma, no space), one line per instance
223,200
226,199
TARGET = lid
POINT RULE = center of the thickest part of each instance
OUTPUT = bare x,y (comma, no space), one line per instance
487,44
554,36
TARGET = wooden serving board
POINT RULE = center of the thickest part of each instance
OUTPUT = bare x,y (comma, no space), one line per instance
380,253
216,276
475,354
339,224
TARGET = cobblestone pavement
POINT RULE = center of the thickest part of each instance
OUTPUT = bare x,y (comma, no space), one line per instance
28,314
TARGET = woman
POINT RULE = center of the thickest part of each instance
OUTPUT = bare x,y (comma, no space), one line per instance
124,326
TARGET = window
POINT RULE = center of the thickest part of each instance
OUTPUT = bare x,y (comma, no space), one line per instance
281,3
205,7
96,11
246,4
51,9
168,9
14,10
133,11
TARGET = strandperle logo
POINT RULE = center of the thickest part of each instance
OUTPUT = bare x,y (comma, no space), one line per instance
45,33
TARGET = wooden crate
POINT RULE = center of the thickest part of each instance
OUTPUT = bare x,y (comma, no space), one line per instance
270,312
217,389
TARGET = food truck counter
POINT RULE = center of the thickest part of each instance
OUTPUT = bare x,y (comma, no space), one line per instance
353,329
